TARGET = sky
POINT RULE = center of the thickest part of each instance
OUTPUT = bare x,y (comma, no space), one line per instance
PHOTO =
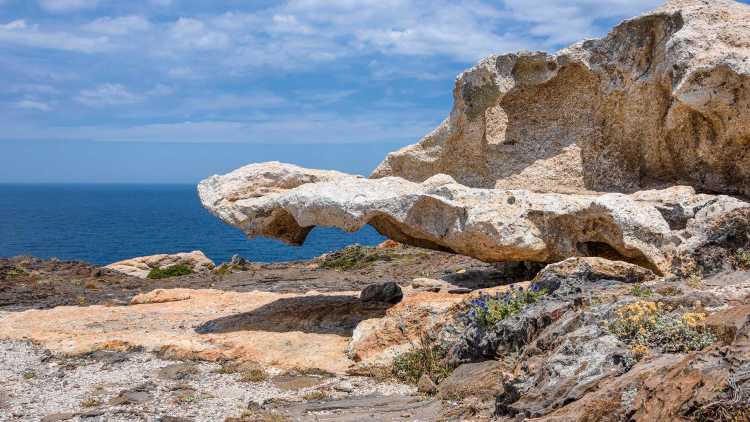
175,90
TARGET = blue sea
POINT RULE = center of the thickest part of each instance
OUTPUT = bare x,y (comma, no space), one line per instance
102,223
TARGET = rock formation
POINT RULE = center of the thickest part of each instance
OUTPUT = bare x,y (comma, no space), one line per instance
488,224
141,266
663,99
544,156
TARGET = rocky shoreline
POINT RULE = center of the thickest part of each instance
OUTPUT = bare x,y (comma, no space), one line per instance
571,244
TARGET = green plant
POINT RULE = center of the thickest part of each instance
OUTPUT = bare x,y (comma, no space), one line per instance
427,357
486,310
172,271
742,259
649,324
640,291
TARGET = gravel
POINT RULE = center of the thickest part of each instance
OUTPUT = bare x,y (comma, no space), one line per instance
35,384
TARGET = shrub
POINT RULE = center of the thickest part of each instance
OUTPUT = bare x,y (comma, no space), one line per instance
253,375
172,271
640,291
486,310
648,324
742,259
427,357
353,257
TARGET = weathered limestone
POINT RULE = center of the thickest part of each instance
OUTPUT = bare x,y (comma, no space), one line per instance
664,98
521,168
492,225
141,266
488,224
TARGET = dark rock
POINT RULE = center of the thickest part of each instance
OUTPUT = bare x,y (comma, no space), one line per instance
364,408
296,382
388,292
108,357
483,380
174,419
238,260
177,371
139,394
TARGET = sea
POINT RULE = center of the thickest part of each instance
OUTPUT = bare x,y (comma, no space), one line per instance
105,223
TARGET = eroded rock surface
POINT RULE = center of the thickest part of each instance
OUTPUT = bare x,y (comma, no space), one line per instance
488,224
663,98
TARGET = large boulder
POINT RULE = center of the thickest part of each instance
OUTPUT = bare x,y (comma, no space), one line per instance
140,266
663,98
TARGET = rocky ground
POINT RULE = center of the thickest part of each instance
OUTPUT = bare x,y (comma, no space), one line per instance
86,343
586,339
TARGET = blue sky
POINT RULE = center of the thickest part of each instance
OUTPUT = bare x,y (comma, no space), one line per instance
256,73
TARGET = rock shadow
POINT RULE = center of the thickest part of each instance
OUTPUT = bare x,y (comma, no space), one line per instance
321,314
499,274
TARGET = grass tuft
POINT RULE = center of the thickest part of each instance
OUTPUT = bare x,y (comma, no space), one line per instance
427,357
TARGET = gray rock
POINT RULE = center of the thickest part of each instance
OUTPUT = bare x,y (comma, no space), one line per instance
483,380
178,371
56,417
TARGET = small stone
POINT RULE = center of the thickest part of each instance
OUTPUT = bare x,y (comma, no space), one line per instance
177,371
56,417
459,291
175,419
238,260
426,385
388,292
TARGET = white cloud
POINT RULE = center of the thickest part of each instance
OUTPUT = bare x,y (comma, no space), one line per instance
63,6
107,94
33,105
192,33
565,21
231,101
118,26
182,72
19,33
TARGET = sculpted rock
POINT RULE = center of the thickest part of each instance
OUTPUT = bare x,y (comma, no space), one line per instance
141,266
665,97
488,224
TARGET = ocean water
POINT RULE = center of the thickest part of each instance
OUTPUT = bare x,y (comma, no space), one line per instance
101,224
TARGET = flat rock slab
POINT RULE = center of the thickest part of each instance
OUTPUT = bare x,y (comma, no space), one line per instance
286,331
296,382
368,408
